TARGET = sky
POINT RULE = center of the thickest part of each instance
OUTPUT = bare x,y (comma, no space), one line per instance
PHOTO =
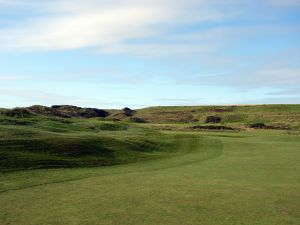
137,53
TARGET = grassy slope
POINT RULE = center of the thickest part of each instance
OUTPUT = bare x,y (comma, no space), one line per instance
269,114
230,178
48,143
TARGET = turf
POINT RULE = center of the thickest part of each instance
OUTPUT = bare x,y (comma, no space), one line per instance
222,178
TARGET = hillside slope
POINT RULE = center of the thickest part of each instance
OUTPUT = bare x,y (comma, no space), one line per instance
278,115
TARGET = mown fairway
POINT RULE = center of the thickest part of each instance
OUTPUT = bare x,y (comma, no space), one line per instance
247,178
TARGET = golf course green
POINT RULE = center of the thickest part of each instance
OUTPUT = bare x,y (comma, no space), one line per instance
175,177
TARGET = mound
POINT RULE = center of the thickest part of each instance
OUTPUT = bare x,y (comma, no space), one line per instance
74,111
46,111
25,149
16,112
63,111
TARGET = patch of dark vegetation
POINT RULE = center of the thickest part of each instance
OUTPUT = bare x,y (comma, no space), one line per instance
68,108
212,127
213,119
258,126
271,127
137,120
92,112
128,112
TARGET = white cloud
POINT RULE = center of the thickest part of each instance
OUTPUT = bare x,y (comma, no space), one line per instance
109,25
113,26
74,24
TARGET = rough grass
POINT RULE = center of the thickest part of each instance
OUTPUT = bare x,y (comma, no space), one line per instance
276,115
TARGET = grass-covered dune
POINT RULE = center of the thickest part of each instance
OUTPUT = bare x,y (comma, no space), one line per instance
238,116
278,115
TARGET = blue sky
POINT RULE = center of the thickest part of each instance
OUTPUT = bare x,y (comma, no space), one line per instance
116,53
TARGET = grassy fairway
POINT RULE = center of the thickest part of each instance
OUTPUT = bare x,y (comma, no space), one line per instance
222,178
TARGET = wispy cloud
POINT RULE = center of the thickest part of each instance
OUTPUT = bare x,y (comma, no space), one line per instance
74,24
108,26
249,79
